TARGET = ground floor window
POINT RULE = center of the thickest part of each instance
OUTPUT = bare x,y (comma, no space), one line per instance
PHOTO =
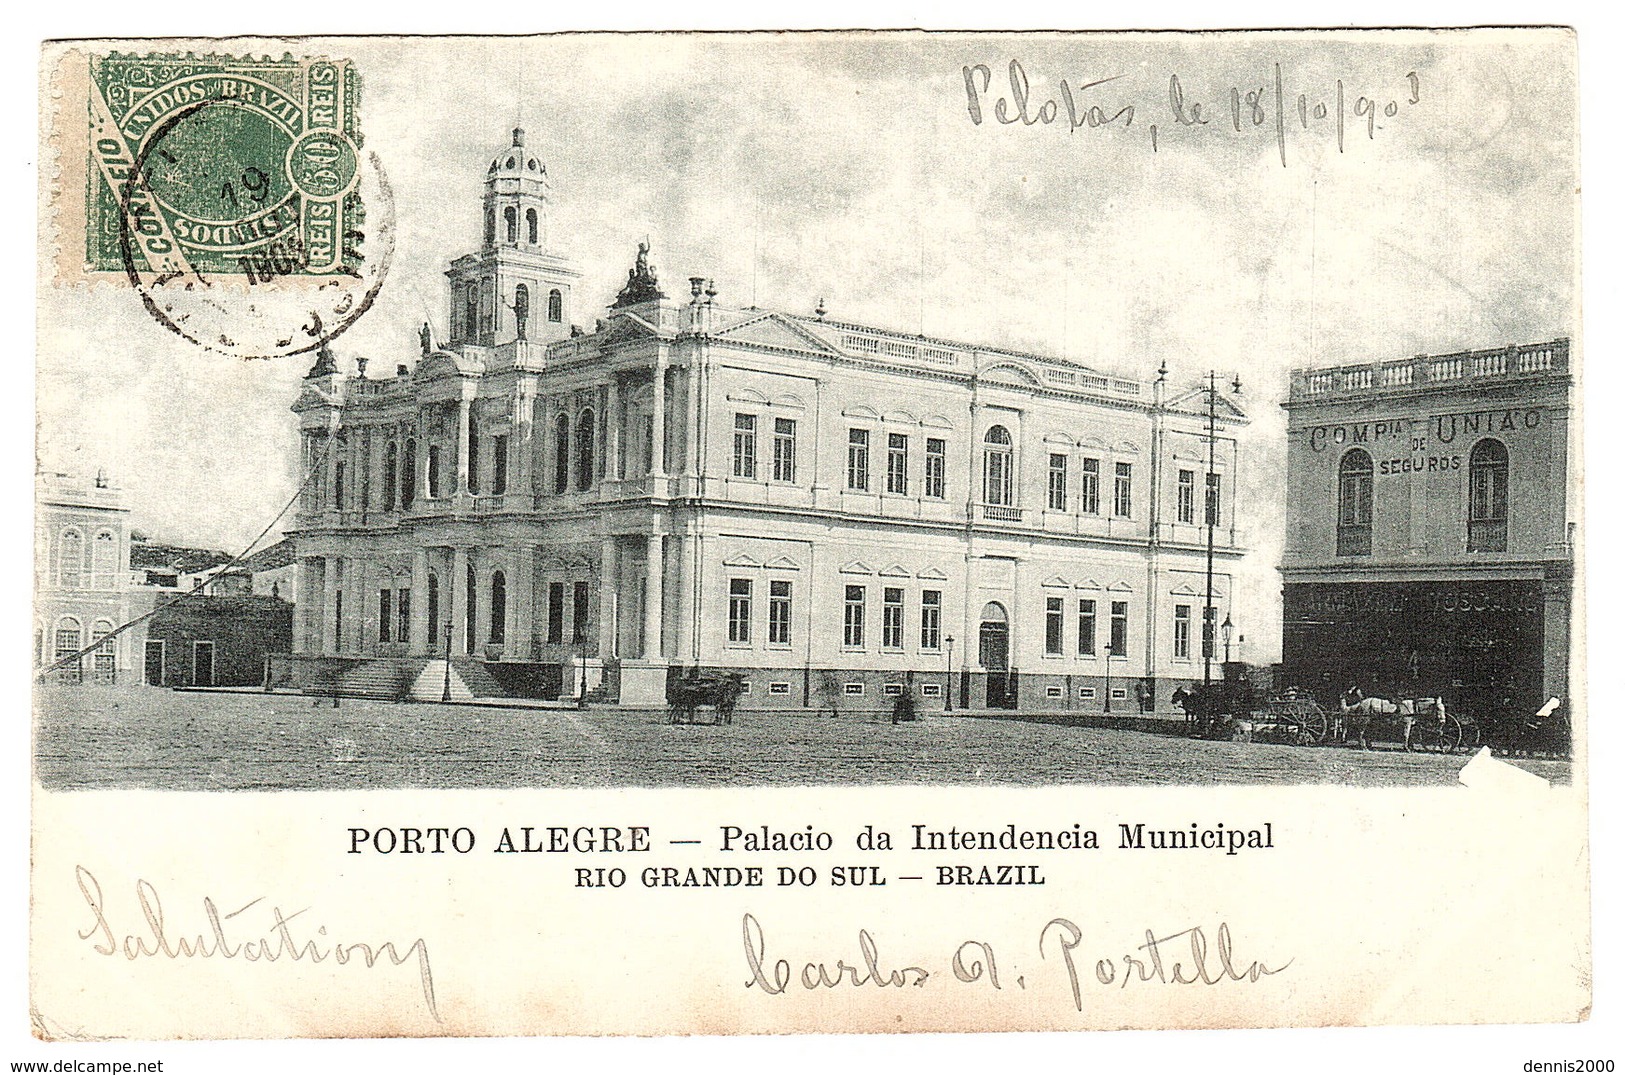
1053,630
739,611
1119,640
778,612
930,619
1182,631
891,626
1086,628
852,619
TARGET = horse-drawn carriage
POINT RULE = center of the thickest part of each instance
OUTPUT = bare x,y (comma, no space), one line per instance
714,693
1417,723
1239,712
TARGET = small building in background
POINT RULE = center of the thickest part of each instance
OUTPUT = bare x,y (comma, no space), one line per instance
82,579
1430,518
215,640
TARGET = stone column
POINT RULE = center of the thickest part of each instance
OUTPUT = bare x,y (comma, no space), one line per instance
519,476
331,634
612,438
654,597
307,607
657,450
463,447
458,589
609,567
418,644
521,601
684,605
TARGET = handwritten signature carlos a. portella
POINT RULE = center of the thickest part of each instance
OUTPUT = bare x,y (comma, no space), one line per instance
218,942
1153,962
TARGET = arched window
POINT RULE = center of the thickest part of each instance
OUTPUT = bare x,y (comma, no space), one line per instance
470,635
499,607
338,486
490,227
104,561
555,306
471,312
473,451
70,559
561,454
104,660
409,473
521,307
997,468
69,637
433,606
391,462
434,471
1354,504
584,449
510,216
1487,497
531,226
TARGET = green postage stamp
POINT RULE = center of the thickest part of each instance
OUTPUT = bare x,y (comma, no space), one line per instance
214,165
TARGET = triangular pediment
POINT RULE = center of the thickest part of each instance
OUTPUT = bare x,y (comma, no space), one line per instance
1120,587
782,563
895,571
932,573
741,559
1195,402
857,567
1184,589
771,330
1056,580
1087,584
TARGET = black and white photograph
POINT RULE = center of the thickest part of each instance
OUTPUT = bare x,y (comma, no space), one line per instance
796,489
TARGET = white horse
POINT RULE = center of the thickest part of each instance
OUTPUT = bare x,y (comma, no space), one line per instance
1360,713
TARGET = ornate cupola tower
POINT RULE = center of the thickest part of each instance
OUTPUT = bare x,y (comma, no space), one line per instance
517,287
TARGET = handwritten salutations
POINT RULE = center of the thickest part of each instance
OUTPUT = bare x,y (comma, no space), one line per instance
221,938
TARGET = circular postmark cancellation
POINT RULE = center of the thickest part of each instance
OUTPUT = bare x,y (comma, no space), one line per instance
234,197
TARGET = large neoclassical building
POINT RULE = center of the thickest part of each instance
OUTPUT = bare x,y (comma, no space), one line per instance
840,512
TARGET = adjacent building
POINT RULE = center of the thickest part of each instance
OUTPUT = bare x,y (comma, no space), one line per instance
1431,513
82,581
840,512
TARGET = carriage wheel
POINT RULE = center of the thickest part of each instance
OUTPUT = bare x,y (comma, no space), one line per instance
1450,735
1312,724
1471,733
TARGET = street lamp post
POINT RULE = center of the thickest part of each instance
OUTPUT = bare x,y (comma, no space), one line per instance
948,677
445,687
1210,504
1109,655
1224,629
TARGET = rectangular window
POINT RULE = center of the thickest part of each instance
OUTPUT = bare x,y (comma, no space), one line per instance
1086,692
579,613
778,688
1089,487
857,459
1182,631
403,615
1213,491
891,619
434,470
784,449
931,619
930,690
852,688
1053,629
897,463
744,445
1057,482
1086,627
1119,629
1053,691
852,623
936,467
499,464
555,612
385,607
1123,492
778,612
1187,496
893,690
739,611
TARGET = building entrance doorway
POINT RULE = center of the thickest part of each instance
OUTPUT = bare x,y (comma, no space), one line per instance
993,653
202,664
152,663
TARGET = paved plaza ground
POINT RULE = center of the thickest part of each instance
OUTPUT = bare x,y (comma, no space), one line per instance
143,737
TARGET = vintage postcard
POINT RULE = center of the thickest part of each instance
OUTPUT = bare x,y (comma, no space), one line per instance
782,532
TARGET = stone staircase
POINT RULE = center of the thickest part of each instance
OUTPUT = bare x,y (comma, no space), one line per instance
388,680
467,680
608,691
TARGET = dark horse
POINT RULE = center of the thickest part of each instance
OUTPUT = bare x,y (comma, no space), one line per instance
1203,706
720,691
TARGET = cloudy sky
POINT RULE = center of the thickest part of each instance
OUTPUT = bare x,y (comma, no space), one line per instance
849,168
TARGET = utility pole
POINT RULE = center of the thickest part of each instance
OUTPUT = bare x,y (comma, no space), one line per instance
1210,508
